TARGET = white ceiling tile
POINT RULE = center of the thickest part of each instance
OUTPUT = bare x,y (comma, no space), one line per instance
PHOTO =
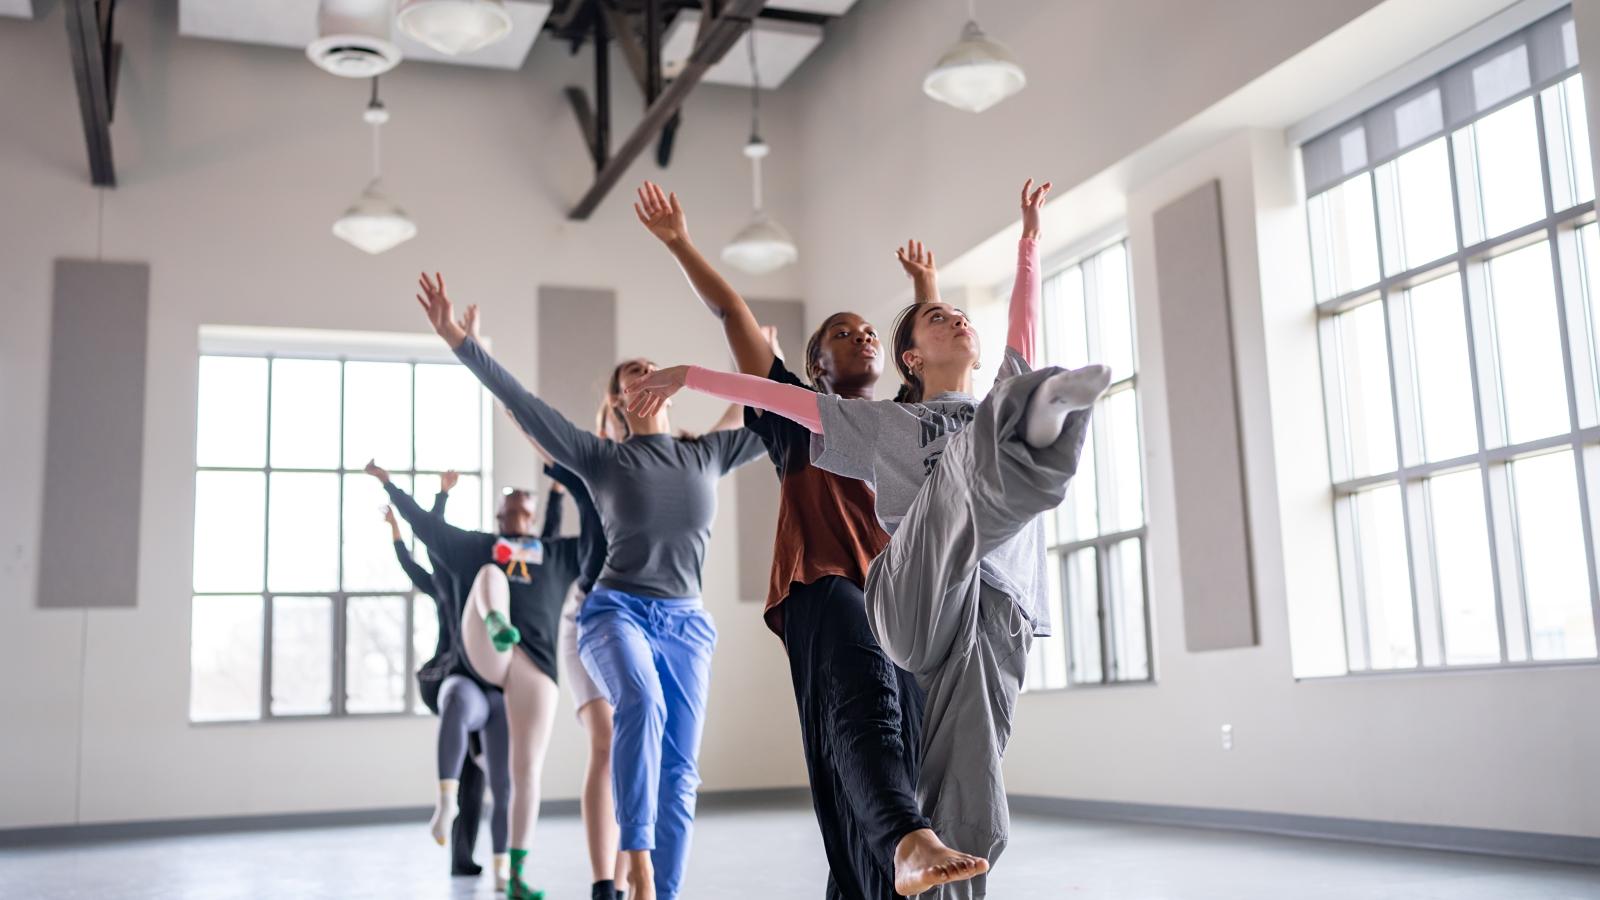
824,7
780,49
293,23
19,9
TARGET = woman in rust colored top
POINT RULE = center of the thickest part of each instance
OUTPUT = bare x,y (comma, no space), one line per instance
860,715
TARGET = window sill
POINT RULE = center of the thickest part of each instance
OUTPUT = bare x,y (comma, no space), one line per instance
1430,671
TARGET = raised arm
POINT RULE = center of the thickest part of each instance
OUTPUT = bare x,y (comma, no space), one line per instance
1023,328
552,513
443,539
797,404
420,577
663,215
565,442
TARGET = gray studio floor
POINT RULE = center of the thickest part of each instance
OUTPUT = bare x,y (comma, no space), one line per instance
774,854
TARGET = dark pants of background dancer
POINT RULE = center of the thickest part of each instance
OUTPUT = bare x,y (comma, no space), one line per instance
469,797
861,722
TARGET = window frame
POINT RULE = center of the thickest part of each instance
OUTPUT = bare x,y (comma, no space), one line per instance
1086,257
339,597
1561,232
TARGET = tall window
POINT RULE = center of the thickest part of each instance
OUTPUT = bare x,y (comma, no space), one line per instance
1095,565
1457,268
300,608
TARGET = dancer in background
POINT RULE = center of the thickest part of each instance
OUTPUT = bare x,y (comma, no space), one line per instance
860,715
959,592
508,632
465,706
642,632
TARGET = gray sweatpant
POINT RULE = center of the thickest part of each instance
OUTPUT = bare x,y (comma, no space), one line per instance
966,642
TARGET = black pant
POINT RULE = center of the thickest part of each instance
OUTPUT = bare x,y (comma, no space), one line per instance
469,809
861,721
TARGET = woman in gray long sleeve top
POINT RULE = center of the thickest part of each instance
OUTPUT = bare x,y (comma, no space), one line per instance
642,633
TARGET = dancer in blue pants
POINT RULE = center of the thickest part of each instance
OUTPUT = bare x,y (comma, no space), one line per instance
642,632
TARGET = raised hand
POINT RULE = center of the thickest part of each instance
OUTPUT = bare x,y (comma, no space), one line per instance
649,394
441,313
916,259
661,213
448,480
1032,201
373,469
470,321
394,524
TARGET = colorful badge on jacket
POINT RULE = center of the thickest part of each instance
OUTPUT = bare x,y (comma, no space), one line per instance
516,554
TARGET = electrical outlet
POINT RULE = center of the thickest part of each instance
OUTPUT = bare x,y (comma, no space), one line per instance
1227,737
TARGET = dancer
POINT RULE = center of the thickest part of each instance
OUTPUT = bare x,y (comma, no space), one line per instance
959,592
509,610
860,715
642,632
465,706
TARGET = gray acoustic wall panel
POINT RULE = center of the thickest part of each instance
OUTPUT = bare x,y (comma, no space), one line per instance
577,347
1203,413
94,443
757,484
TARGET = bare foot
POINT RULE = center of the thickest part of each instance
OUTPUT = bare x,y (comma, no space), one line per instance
922,861
641,878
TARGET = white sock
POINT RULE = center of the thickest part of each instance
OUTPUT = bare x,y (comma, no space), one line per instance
1059,395
502,871
444,812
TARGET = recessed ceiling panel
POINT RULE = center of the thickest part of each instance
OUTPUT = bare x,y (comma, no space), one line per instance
780,49
20,9
823,7
293,23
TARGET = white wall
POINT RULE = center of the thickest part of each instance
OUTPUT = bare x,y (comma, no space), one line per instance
233,162
1129,106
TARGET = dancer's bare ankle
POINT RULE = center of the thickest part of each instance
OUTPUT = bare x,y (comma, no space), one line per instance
641,877
922,861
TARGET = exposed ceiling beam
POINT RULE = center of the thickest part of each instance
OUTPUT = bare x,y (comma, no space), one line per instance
718,35
95,60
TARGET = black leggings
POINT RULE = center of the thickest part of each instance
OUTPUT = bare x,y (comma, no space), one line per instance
861,722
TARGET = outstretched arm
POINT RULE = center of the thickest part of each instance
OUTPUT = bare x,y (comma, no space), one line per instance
566,443
663,215
797,404
1021,334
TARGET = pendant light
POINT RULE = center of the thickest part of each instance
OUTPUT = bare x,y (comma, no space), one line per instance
455,26
762,246
374,223
977,72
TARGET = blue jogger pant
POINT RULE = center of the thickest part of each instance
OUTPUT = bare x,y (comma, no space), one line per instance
652,657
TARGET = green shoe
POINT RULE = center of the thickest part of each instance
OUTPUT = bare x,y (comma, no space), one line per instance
516,888
502,633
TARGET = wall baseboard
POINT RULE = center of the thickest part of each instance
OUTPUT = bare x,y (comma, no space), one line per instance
1484,841
162,828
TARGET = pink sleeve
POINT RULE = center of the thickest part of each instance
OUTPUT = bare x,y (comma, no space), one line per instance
1024,318
794,403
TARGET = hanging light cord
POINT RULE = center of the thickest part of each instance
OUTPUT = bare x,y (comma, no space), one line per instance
377,132
755,117
972,10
